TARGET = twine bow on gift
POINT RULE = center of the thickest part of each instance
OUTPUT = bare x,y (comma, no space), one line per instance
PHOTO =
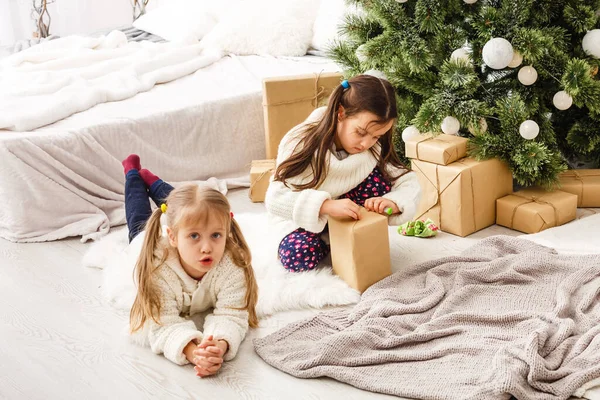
439,193
537,200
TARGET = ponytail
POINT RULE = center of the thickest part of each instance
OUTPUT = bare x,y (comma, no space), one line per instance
147,300
240,252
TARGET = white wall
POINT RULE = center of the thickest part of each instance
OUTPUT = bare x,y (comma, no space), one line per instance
68,17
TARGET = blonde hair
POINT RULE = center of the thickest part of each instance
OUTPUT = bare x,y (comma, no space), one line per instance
187,205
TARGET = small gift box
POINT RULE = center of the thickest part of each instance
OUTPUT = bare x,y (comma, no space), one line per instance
442,149
360,249
260,177
534,210
585,183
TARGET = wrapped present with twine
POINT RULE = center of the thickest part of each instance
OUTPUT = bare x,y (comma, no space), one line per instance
460,198
261,172
441,149
585,183
534,210
289,100
360,249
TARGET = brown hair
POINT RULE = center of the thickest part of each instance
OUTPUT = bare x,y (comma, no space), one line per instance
188,204
366,93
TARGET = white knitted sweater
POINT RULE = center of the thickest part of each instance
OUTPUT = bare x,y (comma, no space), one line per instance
289,209
223,287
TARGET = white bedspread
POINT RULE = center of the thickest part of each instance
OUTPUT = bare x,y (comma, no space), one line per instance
58,78
65,179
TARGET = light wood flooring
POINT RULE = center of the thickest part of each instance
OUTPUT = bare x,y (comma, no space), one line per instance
60,341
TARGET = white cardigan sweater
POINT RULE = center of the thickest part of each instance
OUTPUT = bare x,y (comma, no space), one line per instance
223,287
289,209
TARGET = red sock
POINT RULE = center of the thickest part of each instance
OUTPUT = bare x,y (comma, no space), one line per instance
148,177
131,162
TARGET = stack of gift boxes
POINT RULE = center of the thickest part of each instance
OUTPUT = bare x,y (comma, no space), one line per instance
458,193
463,195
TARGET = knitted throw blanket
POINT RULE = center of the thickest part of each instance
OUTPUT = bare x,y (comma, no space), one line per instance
506,317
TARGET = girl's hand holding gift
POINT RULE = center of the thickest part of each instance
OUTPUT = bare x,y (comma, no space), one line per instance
381,205
341,208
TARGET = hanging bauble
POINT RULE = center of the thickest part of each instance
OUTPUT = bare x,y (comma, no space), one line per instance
516,60
529,129
497,53
410,132
401,1
377,73
527,75
591,43
562,100
460,54
470,1
483,126
450,125
360,53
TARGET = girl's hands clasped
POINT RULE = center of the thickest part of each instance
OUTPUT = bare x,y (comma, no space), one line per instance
208,357
380,204
341,208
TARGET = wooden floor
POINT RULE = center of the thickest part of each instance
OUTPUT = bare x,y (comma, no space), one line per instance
60,341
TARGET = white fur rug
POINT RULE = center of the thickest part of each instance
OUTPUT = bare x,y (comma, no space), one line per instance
279,290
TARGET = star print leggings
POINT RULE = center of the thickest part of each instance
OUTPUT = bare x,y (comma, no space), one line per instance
302,250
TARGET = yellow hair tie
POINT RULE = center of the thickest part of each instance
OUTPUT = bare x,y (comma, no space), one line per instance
163,208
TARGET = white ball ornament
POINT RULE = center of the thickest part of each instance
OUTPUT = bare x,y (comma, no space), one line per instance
450,125
529,129
410,132
360,53
470,1
562,100
460,54
497,53
591,43
527,75
516,60
401,1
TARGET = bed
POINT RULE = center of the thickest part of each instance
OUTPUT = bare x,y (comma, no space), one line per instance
65,179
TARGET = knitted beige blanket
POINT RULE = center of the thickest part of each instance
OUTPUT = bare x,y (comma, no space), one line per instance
506,317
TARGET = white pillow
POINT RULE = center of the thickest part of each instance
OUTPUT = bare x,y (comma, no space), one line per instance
177,20
265,27
330,16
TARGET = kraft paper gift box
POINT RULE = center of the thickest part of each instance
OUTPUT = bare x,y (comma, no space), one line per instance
533,210
288,101
460,197
260,176
585,183
360,249
441,149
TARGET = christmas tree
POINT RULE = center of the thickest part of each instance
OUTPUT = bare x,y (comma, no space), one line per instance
518,77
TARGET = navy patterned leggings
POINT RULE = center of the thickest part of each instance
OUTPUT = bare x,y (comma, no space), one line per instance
302,250
137,200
